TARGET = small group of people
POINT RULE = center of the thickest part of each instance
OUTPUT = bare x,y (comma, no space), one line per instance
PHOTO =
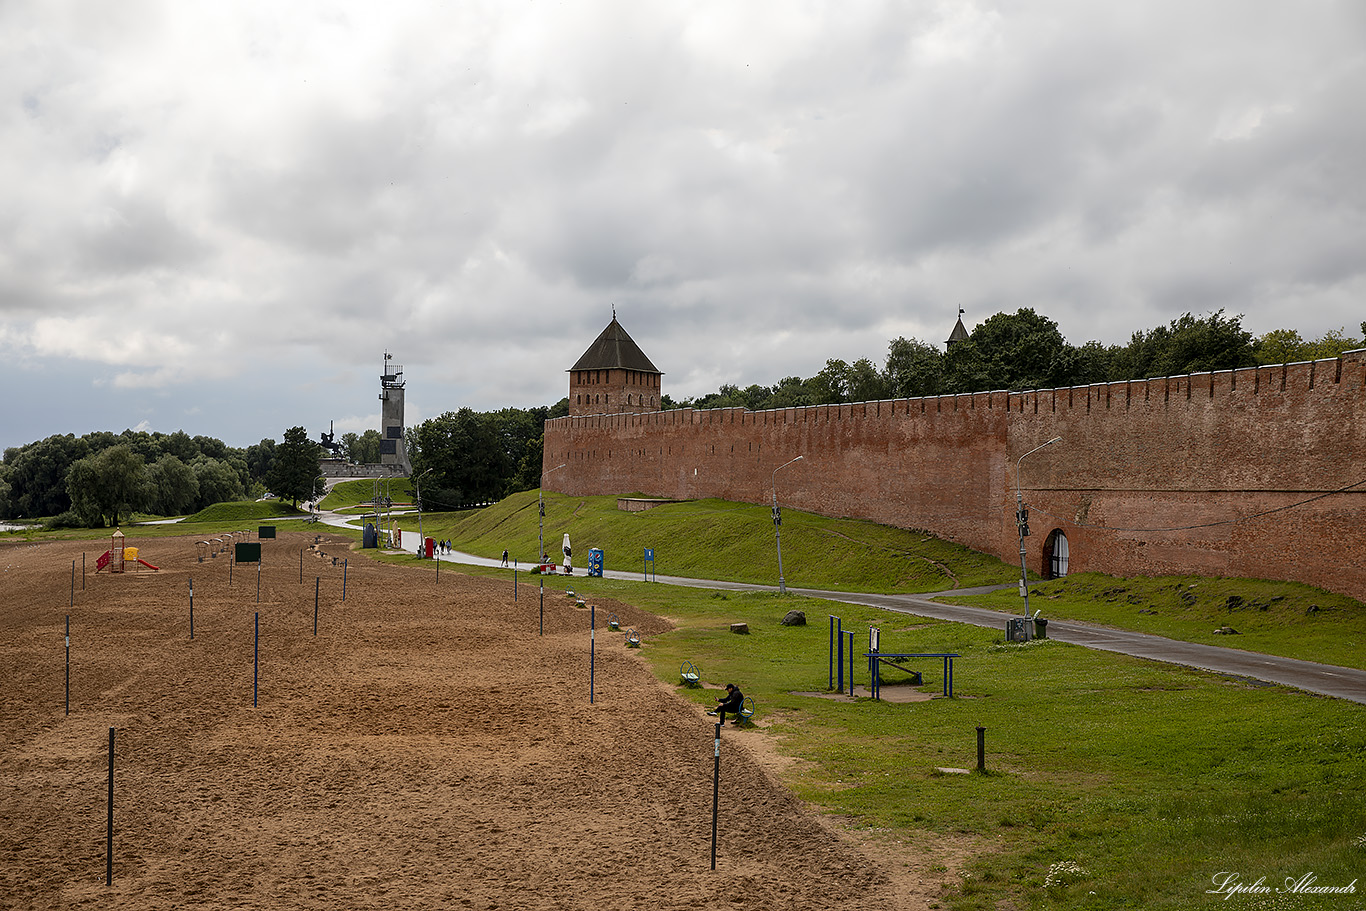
731,702
443,547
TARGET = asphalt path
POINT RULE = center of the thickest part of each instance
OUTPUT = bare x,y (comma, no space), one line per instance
1323,679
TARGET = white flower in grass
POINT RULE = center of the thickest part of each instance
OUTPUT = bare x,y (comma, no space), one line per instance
1063,873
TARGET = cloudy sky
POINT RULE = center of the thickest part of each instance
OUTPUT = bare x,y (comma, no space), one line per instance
218,217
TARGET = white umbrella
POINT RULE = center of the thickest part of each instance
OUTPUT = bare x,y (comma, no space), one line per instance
568,563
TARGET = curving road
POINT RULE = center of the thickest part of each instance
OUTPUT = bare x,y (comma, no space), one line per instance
1324,679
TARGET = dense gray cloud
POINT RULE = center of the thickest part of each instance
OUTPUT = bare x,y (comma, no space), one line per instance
219,216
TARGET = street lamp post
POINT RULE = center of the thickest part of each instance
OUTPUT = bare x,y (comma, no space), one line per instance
1022,521
540,507
778,522
417,488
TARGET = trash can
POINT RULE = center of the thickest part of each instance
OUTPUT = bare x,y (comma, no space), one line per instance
1040,628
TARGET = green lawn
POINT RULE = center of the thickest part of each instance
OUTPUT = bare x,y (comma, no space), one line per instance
1275,618
1150,778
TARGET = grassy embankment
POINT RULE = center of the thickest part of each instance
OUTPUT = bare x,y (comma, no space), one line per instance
1150,778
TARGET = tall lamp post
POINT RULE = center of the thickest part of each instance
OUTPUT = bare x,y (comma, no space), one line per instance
778,522
1022,521
417,488
540,507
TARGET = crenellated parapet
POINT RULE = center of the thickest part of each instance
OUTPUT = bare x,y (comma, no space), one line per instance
1253,472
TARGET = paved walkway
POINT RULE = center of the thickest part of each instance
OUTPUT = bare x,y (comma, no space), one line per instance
1324,679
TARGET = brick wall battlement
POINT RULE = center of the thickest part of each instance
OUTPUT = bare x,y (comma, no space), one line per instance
1204,473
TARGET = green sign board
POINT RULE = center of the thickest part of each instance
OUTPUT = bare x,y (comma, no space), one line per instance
248,552
266,531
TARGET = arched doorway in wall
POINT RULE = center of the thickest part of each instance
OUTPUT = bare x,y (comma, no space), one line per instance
1055,555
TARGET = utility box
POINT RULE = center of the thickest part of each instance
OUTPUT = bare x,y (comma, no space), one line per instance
595,562
369,536
1016,631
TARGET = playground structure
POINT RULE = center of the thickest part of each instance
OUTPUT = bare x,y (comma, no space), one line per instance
688,675
212,547
118,558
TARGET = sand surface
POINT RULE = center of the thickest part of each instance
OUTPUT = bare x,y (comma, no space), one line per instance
427,748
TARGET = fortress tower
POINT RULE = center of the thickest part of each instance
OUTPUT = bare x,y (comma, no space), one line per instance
392,453
613,376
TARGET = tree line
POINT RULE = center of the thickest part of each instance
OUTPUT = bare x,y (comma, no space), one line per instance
466,458
102,477
1026,350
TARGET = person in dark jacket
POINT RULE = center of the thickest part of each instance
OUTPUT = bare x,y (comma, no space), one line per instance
730,702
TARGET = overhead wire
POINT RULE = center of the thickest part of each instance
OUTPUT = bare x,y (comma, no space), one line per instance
1234,521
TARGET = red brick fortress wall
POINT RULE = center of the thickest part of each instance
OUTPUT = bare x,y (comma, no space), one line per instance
1153,476
1231,473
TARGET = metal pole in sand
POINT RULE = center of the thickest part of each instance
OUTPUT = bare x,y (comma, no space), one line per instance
109,828
715,791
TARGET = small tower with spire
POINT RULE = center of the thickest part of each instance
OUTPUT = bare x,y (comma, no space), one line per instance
959,334
613,376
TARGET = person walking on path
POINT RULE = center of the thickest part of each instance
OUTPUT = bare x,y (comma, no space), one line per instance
505,557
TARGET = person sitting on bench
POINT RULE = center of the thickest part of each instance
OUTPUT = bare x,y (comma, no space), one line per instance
730,702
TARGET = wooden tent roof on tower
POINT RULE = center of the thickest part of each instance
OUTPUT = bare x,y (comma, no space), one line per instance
614,349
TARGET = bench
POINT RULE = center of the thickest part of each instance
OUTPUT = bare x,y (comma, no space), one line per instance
688,675
632,639
746,713
876,659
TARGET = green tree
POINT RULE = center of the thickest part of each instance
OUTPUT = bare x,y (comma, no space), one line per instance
464,458
106,486
216,481
865,382
181,446
1022,350
171,486
1091,363
37,475
1188,345
1333,344
831,385
294,472
260,457
1280,346
521,434
362,449
790,392
966,370
913,369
